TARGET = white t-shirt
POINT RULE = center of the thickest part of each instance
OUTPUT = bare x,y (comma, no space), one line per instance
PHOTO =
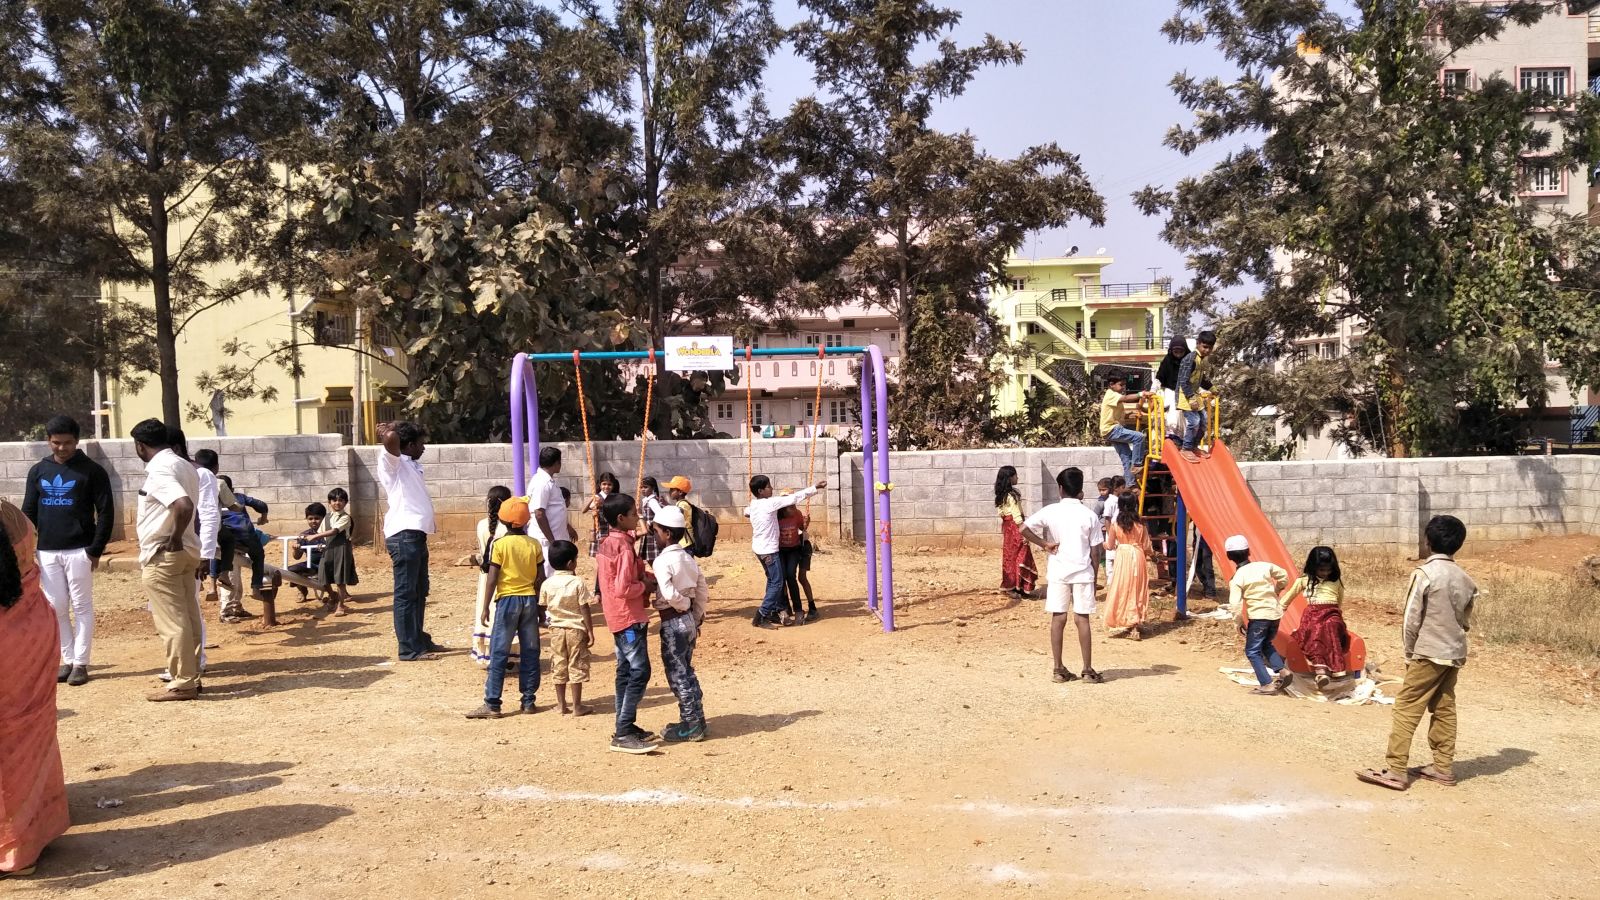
545,494
209,512
763,515
167,479
410,507
1071,526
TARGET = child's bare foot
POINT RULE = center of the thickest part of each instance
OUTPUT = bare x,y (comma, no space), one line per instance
579,710
341,611
565,710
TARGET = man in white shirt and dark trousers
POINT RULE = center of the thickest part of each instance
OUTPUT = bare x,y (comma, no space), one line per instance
406,526
169,555
1065,530
549,506
763,513
68,498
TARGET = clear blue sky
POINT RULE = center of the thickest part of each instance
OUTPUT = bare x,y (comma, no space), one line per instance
1095,82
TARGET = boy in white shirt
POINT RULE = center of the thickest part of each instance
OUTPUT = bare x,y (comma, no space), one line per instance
1065,530
680,598
763,513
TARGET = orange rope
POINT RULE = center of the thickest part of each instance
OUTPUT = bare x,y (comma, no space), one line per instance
588,445
816,420
644,432
749,417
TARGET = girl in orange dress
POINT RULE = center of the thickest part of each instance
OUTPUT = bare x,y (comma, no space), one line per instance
1128,592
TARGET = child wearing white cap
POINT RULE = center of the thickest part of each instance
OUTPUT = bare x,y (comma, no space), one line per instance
680,599
1253,597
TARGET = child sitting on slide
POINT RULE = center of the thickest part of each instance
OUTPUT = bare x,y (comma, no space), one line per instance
1322,635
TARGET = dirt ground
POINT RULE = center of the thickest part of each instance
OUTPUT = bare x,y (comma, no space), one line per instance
937,761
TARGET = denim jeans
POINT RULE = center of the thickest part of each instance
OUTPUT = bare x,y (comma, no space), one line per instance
518,618
772,600
1264,658
1130,446
409,552
677,657
633,673
789,560
1194,427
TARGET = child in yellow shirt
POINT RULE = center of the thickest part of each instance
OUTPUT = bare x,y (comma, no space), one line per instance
516,572
1253,597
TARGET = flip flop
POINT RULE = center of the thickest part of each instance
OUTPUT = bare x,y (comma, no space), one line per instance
1385,779
1062,676
1433,775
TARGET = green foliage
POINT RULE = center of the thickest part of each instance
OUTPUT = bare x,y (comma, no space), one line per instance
140,131
913,219
1374,198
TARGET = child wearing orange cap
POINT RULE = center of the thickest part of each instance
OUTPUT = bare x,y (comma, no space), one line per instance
678,492
516,572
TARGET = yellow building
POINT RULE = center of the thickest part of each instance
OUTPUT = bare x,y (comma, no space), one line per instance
1074,323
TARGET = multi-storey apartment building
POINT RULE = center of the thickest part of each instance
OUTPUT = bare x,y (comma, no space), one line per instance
1074,323
1558,55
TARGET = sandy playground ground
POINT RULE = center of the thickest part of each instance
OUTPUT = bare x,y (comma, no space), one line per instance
938,761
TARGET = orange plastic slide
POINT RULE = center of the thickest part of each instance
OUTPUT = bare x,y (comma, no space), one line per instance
1220,504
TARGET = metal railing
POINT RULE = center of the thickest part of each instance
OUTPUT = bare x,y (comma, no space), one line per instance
1105,345
1134,289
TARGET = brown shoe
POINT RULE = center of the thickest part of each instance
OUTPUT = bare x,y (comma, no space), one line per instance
167,694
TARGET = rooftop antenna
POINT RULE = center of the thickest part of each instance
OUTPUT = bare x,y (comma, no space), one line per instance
1073,251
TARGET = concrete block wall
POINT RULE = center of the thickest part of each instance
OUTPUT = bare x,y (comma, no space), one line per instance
459,476
945,498
1387,502
287,472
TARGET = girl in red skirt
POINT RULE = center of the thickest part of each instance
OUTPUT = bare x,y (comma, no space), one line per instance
1322,635
1017,574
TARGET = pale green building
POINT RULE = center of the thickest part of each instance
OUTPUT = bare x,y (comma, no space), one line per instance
1076,324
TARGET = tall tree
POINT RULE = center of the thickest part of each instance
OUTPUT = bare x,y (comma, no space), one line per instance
927,216
470,196
138,129
1375,196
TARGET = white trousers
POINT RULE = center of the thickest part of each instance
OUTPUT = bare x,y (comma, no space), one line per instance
68,581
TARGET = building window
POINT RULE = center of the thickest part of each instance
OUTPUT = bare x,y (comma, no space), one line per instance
794,368
1543,178
813,340
1455,82
811,410
333,328
758,370
1033,328
758,414
835,340
1094,329
724,412
1077,330
837,412
1551,82
1058,295
1019,284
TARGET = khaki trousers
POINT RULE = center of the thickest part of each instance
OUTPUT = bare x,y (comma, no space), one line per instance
169,583
1430,687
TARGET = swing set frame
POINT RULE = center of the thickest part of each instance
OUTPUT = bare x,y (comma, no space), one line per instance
876,485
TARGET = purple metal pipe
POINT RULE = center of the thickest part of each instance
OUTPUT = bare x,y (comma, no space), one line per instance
524,422
869,510
885,536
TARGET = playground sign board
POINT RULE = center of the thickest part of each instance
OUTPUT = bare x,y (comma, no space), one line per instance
700,353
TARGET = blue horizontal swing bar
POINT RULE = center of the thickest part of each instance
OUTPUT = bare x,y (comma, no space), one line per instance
738,353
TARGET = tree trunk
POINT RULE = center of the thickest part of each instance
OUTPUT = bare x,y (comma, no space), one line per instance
161,283
1393,403
903,285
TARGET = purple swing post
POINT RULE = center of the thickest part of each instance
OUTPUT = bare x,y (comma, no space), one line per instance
869,508
524,423
882,536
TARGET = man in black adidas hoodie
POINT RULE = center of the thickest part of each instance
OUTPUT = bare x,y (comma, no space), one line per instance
69,501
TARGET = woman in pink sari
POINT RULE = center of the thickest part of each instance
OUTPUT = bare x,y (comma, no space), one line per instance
1017,573
33,798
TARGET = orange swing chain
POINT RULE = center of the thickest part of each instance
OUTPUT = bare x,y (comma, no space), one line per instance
816,420
749,417
588,445
644,431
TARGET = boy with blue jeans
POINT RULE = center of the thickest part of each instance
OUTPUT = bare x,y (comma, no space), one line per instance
681,596
1194,388
1253,596
622,598
1131,445
516,572
763,513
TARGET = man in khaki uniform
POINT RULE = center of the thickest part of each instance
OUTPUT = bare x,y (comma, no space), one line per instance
1438,614
169,555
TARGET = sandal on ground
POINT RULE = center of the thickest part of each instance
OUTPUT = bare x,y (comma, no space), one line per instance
1433,775
1383,778
1062,676
1136,633
1093,677
18,873
1266,690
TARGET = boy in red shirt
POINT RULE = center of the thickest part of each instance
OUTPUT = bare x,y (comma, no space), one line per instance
623,590
792,523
